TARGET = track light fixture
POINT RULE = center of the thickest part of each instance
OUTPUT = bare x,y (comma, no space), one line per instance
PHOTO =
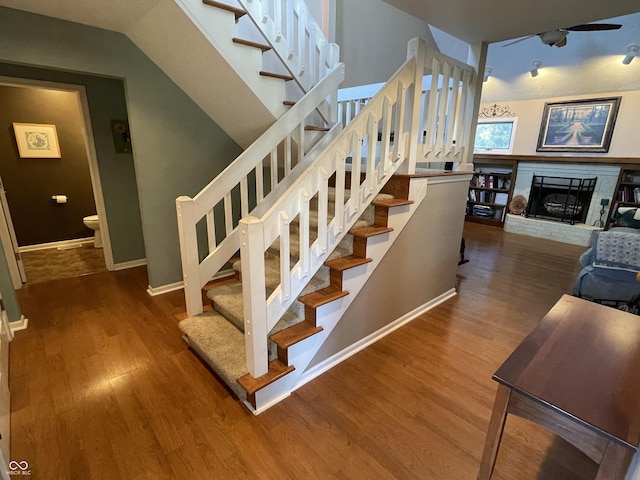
536,65
632,51
487,72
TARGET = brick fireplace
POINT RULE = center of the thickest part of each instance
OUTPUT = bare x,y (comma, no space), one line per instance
578,233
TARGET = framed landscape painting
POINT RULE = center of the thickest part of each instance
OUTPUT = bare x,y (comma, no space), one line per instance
578,125
36,140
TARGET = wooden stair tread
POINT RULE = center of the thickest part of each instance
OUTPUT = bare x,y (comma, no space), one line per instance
392,202
289,103
281,76
238,12
315,128
262,46
277,370
344,263
366,232
322,296
294,334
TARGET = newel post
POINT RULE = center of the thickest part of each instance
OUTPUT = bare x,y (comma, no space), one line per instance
189,254
254,295
477,57
415,49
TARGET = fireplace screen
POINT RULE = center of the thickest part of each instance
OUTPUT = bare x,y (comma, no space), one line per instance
561,199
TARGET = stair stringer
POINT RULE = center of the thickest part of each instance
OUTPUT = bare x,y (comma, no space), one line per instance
195,49
328,316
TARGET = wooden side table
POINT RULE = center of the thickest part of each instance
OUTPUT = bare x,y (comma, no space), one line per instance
577,374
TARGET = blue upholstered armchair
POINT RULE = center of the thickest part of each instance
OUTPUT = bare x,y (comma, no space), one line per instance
610,267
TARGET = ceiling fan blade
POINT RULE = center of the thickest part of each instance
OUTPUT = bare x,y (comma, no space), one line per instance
518,40
590,27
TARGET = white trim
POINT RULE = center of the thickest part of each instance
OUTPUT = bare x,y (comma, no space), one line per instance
340,357
19,324
131,264
171,287
268,405
62,244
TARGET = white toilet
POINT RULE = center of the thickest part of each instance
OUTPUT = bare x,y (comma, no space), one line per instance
92,222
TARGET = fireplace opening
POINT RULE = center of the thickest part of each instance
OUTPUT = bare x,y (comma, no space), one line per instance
560,199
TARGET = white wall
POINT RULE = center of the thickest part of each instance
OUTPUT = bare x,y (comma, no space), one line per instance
373,39
624,142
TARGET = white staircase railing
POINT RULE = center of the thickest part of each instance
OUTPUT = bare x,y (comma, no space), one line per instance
384,137
296,38
208,222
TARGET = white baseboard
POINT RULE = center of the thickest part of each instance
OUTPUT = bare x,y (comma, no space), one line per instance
131,264
153,291
172,287
63,244
340,357
19,324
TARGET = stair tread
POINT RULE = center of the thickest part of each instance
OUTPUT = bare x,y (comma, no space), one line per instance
238,12
393,202
220,345
262,46
371,231
281,76
316,128
322,296
289,103
277,370
345,263
294,334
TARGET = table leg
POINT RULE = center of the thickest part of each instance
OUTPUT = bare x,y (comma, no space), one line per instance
614,463
494,432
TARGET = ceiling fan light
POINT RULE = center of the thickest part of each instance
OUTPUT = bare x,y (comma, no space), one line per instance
632,51
553,37
487,72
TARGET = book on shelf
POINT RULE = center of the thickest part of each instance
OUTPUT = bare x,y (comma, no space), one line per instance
501,198
636,194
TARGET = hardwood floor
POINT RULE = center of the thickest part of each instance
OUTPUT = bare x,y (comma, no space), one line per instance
103,387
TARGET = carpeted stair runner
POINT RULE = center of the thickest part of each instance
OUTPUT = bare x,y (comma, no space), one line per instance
218,336
220,344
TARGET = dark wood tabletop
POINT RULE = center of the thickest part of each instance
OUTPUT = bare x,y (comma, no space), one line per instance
583,360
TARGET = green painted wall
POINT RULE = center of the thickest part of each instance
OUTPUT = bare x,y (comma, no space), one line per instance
177,148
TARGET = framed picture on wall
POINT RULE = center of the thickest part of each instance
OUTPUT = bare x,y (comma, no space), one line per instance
578,126
36,140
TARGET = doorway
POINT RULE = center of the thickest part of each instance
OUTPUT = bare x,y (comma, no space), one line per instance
49,197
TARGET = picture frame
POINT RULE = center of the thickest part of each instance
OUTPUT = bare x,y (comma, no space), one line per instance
37,140
578,125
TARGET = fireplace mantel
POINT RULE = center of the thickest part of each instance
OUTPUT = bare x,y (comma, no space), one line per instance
487,158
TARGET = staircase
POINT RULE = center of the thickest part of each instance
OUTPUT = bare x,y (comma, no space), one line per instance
240,60
303,206
301,321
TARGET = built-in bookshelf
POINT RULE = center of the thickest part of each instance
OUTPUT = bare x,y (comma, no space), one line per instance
624,211
490,191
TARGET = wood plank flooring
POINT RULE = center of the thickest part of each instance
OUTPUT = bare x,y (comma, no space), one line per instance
103,387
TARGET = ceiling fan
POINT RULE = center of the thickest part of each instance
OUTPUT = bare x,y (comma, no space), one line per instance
558,38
